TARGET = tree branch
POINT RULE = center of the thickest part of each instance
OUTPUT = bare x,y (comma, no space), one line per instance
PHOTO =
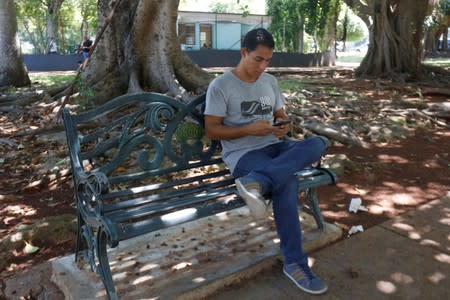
360,9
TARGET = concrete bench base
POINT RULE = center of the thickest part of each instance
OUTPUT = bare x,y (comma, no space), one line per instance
188,261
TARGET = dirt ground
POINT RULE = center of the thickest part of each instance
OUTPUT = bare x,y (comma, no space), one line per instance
390,176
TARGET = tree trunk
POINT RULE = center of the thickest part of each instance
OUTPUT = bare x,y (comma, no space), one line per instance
445,39
301,36
51,28
395,39
62,39
140,51
12,68
429,42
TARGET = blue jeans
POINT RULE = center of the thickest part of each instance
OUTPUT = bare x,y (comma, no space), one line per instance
85,55
274,167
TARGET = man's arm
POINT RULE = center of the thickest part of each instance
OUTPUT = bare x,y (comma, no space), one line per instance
216,130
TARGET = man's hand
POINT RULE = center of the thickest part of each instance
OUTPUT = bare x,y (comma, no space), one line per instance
280,130
259,128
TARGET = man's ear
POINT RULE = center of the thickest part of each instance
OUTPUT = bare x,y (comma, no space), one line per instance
244,52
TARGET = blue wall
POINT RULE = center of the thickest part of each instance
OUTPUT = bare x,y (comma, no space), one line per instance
204,58
228,58
228,36
52,62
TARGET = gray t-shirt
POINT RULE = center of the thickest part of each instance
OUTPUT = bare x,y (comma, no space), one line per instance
241,103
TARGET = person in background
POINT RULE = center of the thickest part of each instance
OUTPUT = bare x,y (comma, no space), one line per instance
86,47
245,111
52,48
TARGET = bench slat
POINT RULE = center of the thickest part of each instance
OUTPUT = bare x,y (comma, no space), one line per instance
151,204
173,204
145,174
164,185
315,181
144,207
162,198
135,229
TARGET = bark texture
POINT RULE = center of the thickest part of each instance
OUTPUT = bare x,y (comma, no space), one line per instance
361,9
53,7
395,39
140,51
12,68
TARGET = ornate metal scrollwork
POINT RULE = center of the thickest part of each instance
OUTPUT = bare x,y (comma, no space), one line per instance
89,188
159,135
184,139
91,251
143,127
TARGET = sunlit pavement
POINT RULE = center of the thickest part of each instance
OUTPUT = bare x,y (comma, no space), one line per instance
405,258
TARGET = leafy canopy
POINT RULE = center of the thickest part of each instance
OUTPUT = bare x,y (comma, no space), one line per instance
73,17
291,17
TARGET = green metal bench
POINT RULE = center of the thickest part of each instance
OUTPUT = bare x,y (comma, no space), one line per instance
141,163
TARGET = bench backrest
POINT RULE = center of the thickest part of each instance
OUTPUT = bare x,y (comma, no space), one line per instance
139,135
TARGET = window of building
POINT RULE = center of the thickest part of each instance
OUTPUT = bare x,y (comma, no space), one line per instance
206,35
186,32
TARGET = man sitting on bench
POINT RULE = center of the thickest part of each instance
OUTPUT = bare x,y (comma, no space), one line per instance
245,110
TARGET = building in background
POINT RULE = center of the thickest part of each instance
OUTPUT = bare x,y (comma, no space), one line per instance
223,31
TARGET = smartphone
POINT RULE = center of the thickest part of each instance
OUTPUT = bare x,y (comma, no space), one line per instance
282,122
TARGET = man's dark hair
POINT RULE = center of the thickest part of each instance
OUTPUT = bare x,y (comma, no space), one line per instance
256,37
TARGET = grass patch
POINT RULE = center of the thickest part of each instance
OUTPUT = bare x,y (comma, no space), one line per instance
350,57
443,62
48,79
356,57
291,85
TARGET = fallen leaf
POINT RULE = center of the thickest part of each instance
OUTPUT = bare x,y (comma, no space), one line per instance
30,249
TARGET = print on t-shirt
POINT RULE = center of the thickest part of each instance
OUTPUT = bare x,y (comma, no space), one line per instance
255,108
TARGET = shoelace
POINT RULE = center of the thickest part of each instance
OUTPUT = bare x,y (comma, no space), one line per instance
306,272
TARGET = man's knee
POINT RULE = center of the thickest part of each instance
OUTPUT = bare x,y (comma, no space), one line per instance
319,145
324,140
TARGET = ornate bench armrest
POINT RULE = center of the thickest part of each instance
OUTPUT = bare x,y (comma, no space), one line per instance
89,188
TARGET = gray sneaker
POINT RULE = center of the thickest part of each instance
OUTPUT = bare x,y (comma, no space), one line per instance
304,278
251,193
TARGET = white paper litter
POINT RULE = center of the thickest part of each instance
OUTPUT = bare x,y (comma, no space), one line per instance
356,204
355,229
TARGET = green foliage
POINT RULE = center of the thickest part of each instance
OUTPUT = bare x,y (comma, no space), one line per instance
291,17
287,23
85,94
188,132
83,88
292,85
221,7
72,18
316,14
444,7
349,27
31,23
245,10
440,11
11,90
229,7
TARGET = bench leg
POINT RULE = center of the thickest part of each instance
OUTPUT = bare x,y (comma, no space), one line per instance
104,269
83,245
311,196
79,237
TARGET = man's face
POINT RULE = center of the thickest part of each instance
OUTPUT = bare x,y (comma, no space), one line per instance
256,62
